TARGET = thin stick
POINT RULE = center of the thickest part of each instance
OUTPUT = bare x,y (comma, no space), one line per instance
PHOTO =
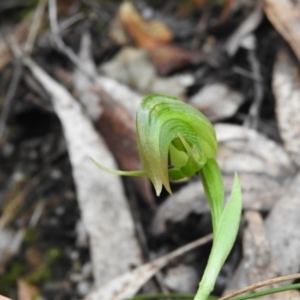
261,284
60,43
35,26
253,118
9,97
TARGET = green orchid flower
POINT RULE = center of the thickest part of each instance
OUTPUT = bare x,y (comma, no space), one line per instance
176,141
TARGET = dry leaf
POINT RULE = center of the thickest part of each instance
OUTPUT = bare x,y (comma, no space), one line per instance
121,93
118,129
257,263
178,206
104,208
284,15
128,284
217,101
4,298
260,192
134,68
169,58
286,87
200,3
146,34
258,258
228,4
244,150
282,226
182,278
117,32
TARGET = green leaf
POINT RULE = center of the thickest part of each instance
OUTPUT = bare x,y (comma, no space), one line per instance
224,238
275,290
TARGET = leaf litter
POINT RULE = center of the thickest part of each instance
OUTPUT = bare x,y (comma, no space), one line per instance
127,68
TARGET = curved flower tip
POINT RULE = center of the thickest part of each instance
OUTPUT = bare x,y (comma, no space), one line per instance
174,139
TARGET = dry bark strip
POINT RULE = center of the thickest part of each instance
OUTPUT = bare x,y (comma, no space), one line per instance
284,15
104,209
114,121
286,87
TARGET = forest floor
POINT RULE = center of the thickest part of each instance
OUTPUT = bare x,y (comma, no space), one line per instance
72,74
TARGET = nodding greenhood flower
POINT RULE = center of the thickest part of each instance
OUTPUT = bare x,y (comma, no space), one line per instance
175,141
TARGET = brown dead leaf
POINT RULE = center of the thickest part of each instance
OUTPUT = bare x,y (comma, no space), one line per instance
286,87
200,3
228,4
146,34
154,36
118,129
284,15
169,58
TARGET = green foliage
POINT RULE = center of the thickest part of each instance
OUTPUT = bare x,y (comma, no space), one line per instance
176,141
269,292
224,237
9,279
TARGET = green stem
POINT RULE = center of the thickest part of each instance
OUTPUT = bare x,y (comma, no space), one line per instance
268,292
163,296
